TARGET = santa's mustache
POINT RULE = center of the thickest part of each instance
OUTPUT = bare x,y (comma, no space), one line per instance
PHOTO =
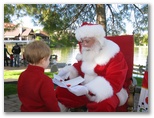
96,47
86,49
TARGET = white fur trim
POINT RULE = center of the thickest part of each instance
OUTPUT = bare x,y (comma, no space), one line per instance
101,88
96,31
89,78
109,50
90,31
123,96
79,57
88,68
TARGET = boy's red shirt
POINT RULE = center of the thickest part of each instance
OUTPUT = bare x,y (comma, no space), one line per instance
36,91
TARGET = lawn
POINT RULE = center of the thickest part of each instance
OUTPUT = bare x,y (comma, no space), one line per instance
11,88
14,74
11,74
139,81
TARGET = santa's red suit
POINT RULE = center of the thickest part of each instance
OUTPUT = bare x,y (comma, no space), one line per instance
104,76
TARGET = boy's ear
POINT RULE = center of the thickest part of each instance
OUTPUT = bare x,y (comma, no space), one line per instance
42,60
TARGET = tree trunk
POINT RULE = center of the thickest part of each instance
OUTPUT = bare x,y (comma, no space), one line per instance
101,17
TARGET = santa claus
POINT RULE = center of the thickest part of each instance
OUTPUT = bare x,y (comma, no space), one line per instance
102,65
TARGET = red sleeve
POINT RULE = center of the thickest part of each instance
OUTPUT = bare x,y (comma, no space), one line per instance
115,72
49,96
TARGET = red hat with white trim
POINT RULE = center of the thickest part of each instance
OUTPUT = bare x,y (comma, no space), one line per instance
90,30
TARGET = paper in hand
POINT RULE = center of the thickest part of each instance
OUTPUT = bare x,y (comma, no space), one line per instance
69,83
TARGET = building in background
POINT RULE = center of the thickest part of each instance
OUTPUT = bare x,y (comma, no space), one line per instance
22,35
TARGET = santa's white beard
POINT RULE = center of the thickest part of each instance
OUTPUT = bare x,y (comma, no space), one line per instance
89,54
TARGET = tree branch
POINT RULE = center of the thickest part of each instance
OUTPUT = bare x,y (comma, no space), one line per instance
111,12
75,17
138,9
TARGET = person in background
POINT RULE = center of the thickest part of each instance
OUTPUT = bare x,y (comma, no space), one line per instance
103,67
35,89
24,60
16,54
11,60
5,56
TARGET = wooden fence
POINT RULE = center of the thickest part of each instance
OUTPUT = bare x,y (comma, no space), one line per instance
138,70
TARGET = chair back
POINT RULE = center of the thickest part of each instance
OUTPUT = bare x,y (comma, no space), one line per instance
126,44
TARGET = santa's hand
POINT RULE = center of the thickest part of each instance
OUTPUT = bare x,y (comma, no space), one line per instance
91,96
78,90
68,72
63,72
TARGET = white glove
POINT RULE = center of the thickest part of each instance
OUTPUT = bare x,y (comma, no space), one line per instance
63,72
68,71
92,98
78,90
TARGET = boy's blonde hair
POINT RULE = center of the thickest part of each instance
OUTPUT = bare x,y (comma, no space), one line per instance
36,51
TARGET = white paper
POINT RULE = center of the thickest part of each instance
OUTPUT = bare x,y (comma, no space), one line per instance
74,82
55,81
69,83
57,77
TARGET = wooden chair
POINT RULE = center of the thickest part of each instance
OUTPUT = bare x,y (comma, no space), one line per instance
126,44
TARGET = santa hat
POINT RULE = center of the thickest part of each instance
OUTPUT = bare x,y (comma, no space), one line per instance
90,30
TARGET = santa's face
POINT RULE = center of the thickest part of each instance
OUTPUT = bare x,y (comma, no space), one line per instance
88,42
90,49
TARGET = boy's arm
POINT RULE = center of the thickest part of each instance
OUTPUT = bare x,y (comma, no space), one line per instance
49,96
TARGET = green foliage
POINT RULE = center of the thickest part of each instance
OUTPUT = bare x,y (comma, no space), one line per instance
141,40
13,12
145,39
63,40
136,14
38,38
67,17
8,12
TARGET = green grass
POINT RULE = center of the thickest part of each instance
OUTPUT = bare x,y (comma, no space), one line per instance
50,74
10,89
15,74
139,81
11,74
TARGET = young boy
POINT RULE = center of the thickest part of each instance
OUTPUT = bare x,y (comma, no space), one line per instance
35,89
